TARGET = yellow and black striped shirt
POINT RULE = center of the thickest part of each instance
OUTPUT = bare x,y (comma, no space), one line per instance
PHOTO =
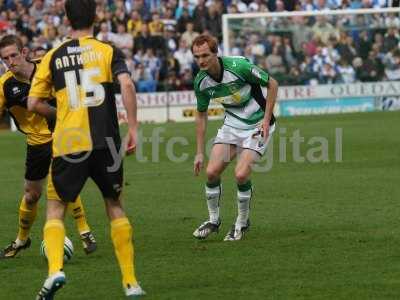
81,72
13,97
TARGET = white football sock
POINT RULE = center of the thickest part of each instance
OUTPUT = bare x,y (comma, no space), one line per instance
243,202
213,195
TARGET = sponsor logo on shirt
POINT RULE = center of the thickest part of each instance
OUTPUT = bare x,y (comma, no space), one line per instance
16,90
256,73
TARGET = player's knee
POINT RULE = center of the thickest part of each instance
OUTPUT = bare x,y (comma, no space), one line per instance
32,196
212,174
241,176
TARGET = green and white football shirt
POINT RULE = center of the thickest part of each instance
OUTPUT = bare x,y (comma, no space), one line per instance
238,90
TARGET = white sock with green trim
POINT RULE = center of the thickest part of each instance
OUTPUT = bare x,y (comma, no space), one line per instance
213,194
244,194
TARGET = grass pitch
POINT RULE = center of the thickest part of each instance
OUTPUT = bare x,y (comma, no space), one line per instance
322,230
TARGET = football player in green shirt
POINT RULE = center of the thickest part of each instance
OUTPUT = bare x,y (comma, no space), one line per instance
248,125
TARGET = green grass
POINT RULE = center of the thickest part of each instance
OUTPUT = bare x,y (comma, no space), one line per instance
319,230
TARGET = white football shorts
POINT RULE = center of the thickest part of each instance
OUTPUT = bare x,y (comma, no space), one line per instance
245,139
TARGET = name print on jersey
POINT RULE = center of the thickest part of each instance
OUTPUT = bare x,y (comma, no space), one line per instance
87,55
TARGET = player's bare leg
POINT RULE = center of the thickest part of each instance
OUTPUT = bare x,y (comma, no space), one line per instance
244,194
220,157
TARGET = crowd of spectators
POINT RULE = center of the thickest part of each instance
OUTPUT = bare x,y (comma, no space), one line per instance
156,35
322,49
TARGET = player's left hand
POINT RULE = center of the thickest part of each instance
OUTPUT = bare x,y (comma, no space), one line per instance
131,141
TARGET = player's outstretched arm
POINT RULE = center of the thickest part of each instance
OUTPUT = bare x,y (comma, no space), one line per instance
128,94
201,126
272,94
41,107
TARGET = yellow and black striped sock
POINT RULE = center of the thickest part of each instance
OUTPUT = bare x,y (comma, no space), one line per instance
77,211
27,216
